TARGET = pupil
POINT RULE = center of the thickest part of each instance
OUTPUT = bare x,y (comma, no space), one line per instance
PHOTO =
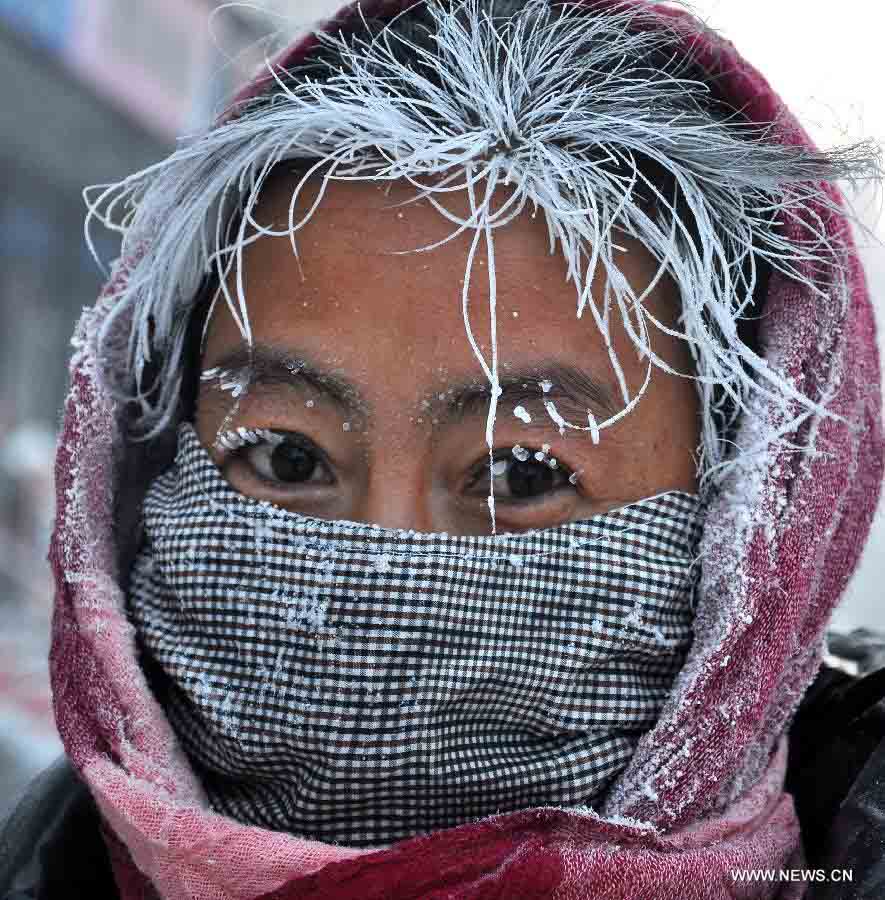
292,463
528,478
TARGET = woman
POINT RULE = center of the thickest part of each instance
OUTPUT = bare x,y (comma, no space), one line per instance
460,469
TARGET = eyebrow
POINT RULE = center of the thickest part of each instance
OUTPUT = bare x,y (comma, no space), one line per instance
572,389
269,366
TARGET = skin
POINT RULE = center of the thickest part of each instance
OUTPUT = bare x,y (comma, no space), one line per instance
392,326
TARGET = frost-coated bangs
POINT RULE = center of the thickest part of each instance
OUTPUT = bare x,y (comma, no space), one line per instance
591,115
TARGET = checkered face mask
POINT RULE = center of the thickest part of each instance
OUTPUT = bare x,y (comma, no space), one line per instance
358,684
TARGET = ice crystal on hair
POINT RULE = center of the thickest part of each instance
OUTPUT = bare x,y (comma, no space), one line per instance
501,100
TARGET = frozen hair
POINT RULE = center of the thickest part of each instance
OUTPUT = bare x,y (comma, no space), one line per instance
593,114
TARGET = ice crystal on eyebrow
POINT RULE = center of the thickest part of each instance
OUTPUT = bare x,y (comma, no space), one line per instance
500,101
558,420
235,382
235,388
522,413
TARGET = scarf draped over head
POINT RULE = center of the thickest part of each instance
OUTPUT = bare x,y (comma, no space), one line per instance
701,796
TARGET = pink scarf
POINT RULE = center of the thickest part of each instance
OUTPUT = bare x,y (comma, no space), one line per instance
703,795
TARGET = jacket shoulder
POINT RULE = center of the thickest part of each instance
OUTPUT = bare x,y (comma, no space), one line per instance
836,774
51,846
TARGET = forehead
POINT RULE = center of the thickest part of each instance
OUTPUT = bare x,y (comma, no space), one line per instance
379,229
359,293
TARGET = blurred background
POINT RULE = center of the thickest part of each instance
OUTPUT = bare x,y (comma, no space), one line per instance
91,90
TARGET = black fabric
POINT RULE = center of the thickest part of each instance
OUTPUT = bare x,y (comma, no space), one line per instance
840,723
52,849
857,839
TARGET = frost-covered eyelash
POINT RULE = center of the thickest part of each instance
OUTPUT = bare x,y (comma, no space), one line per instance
518,453
521,454
238,438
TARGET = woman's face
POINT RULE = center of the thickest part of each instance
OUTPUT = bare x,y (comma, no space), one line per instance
363,366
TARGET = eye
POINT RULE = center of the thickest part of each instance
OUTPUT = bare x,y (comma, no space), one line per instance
524,474
279,458
287,462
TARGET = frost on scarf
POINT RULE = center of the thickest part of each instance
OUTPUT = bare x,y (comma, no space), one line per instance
786,523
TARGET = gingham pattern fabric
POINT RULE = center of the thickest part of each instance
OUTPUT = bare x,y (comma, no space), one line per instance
358,684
